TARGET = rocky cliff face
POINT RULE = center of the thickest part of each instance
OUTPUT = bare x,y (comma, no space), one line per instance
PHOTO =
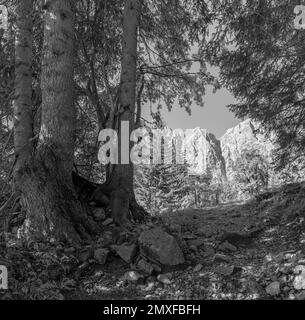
246,136
206,156
239,163
219,157
241,149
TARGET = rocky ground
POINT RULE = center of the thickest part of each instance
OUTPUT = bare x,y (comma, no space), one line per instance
235,251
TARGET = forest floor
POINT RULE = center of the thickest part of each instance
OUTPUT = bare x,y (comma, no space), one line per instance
234,251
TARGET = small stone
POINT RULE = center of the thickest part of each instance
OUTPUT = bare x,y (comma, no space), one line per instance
70,250
157,268
107,222
227,246
193,248
100,255
280,258
284,279
59,248
169,275
299,283
209,251
300,296
85,254
253,287
299,280
145,266
163,279
300,269
188,236
221,258
198,268
204,232
196,242
132,276
82,269
15,230
224,270
175,228
273,289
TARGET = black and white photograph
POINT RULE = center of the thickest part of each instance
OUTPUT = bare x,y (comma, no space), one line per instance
152,151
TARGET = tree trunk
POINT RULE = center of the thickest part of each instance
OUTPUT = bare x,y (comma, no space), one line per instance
23,125
121,178
48,194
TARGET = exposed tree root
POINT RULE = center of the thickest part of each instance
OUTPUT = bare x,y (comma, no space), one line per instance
53,209
110,193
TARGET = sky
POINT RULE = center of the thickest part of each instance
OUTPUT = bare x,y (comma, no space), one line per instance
214,116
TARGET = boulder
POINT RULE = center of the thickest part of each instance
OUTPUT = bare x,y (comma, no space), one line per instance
157,245
126,252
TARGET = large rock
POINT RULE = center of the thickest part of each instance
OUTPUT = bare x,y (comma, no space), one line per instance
158,245
126,252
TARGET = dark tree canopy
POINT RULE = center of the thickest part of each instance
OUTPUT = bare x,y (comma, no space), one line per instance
261,59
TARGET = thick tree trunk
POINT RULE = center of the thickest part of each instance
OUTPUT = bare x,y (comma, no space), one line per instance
58,110
52,205
48,194
123,174
23,126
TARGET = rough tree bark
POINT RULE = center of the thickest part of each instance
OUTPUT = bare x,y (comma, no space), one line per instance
119,185
122,175
48,195
23,126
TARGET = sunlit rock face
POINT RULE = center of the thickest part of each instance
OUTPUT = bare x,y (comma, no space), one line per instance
197,148
246,136
204,154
